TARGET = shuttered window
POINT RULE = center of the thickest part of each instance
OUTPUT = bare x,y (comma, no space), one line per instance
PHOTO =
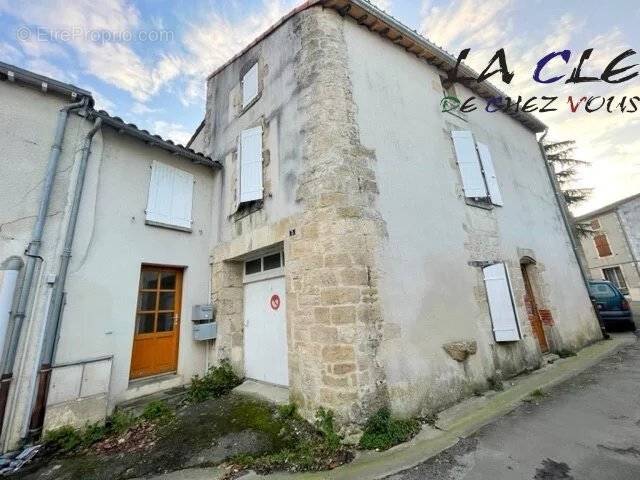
602,245
250,175
469,164
170,197
490,174
478,173
501,304
250,86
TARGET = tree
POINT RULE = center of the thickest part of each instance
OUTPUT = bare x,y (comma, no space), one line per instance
560,156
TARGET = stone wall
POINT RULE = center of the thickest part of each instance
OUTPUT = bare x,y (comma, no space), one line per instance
334,321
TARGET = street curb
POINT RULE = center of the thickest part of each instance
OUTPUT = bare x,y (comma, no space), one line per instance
463,419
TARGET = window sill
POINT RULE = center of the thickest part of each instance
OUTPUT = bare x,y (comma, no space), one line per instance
479,203
247,208
151,223
250,104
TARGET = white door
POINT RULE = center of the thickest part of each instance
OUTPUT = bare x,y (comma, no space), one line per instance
265,331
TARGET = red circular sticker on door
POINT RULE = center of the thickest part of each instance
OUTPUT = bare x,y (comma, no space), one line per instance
275,301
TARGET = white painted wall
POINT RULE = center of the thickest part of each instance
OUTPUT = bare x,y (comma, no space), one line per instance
430,295
111,243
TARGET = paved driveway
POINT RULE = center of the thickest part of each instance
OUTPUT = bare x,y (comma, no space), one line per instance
586,428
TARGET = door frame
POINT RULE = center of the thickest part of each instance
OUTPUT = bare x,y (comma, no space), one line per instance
534,316
177,312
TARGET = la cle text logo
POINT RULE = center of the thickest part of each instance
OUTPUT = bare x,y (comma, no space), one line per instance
613,73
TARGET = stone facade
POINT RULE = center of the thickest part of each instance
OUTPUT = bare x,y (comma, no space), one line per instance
386,304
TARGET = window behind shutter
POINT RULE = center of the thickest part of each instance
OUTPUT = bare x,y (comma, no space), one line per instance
490,174
251,164
469,164
602,245
250,85
170,196
501,306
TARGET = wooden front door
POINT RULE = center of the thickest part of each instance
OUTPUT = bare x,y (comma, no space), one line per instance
157,323
532,311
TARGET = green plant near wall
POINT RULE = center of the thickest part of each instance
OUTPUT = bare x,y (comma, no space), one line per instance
215,383
382,431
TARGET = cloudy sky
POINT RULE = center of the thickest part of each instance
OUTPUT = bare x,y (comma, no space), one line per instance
146,60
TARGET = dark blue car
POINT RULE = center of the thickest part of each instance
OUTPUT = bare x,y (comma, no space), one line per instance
613,307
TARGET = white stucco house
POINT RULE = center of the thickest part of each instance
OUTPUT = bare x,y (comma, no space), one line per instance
613,249
138,265
359,246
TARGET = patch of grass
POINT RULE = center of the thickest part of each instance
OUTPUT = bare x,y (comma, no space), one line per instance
382,432
567,353
325,424
64,438
157,411
496,383
215,383
303,448
119,421
539,393
67,438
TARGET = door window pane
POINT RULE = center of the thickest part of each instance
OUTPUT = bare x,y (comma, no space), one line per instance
167,301
252,266
168,280
144,323
165,322
271,261
147,301
148,280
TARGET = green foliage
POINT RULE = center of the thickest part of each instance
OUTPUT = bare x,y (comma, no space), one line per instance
382,432
538,393
120,421
68,438
566,353
64,438
560,156
303,449
325,424
215,383
495,383
289,410
157,411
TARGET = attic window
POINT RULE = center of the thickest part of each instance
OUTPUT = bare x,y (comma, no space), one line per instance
448,88
250,86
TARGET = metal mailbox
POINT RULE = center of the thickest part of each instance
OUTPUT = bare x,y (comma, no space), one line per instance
204,324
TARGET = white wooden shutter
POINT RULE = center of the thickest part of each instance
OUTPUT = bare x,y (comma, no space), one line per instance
501,305
182,199
490,174
251,164
250,85
469,164
170,196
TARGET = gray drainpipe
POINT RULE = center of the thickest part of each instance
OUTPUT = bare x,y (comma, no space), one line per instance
565,219
33,255
52,327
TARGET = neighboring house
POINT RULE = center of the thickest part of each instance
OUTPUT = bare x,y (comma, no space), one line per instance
363,248
145,211
613,249
370,249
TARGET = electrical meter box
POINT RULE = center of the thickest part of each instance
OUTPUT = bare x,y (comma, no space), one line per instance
202,312
203,320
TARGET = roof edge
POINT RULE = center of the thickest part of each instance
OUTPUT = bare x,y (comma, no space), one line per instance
384,24
607,208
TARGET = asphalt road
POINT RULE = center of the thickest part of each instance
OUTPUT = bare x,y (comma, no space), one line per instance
585,429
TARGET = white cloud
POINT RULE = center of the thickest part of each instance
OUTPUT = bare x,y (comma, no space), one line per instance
9,53
214,39
172,131
382,4
142,109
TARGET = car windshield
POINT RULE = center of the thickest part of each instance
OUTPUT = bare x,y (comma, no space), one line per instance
601,290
